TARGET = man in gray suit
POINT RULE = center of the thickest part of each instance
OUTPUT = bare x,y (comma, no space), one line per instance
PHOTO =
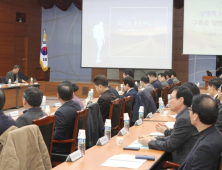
183,135
13,75
162,79
174,77
32,99
146,84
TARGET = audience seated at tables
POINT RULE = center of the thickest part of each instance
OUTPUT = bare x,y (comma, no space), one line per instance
128,86
130,73
206,152
65,117
218,123
162,79
32,99
184,134
168,77
106,96
174,77
145,82
5,121
154,81
195,91
213,85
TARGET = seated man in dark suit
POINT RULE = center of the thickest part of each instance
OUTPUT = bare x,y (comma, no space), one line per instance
114,91
162,79
128,85
174,77
65,117
184,134
206,152
32,99
146,84
213,85
5,121
13,75
168,77
106,96
130,73
154,81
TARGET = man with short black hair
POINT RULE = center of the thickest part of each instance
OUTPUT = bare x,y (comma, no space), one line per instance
162,79
154,81
213,85
128,72
5,121
106,96
206,152
32,99
174,77
183,135
192,87
145,82
168,77
13,75
65,118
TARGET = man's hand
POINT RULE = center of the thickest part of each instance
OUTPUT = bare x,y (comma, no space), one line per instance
161,127
23,81
144,140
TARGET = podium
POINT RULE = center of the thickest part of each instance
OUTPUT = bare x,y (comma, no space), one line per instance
206,79
42,75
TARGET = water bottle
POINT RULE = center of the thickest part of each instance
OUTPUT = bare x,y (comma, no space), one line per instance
160,100
31,81
16,81
9,82
126,122
43,102
91,94
136,83
117,89
108,128
161,108
82,141
121,87
141,112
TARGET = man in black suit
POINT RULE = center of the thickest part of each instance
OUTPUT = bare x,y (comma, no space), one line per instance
154,81
13,75
32,99
213,85
5,121
114,91
183,135
168,77
130,73
128,86
206,152
65,117
106,96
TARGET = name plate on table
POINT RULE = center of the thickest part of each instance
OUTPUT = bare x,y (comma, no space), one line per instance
138,122
57,104
74,156
122,132
102,141
15,113
149,115
36,83
26,84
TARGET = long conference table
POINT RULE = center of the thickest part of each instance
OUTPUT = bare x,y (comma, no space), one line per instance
97,155
14,94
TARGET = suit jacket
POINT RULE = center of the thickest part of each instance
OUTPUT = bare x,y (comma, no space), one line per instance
10,75
170,81
5,122
136,104
29,115
175,80
104,103
158,85
206,152
149,88
182,138
218,123
114,92
64,124
165,83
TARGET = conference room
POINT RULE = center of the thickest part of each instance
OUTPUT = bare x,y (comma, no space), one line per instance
57,41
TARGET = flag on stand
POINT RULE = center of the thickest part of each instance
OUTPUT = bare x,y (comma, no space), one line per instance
44,54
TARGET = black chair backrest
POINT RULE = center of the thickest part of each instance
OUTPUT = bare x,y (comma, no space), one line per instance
3,80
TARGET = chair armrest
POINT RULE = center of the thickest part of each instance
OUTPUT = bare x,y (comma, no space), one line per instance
63,141
168,164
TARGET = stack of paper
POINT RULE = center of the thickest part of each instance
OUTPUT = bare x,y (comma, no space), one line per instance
124,161
156,134
138,145
170,125
173,116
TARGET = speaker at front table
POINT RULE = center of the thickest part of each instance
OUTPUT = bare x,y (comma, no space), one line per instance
22,76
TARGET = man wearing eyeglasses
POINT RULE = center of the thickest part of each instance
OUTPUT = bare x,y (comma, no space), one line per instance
183,135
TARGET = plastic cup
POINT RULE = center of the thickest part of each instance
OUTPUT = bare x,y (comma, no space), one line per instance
119,141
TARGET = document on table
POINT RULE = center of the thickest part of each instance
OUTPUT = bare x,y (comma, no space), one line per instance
124,161
173,116
156,134
137,144
170,125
